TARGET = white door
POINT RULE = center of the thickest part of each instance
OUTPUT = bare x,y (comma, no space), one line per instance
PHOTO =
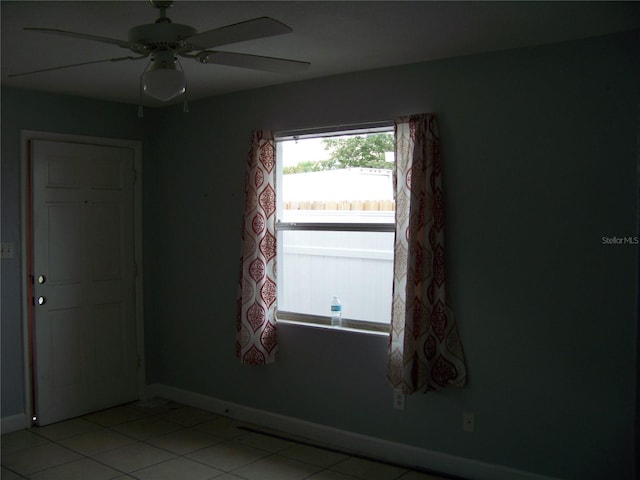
85,355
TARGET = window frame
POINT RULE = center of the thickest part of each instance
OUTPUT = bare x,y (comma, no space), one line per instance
358,129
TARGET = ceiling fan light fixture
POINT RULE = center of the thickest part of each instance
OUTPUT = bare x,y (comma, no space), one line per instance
164,84
163,81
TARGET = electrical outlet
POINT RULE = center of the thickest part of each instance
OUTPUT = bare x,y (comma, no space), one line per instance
398,399
6,250
468,422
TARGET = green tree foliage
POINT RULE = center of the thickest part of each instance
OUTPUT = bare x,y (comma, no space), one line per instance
362,151
310,166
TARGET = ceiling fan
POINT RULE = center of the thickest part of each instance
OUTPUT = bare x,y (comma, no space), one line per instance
165,41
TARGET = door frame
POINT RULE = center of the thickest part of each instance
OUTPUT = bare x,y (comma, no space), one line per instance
27,310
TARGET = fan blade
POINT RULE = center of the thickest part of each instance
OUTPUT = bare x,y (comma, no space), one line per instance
84,36
256,62
118,59
238,32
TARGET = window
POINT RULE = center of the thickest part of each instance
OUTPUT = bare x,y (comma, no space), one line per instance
335,224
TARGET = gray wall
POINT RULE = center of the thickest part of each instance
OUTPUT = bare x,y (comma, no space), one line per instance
540,154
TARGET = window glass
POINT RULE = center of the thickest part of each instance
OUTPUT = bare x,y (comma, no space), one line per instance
335,225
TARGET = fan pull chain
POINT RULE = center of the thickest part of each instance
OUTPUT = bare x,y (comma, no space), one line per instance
185,105
140,108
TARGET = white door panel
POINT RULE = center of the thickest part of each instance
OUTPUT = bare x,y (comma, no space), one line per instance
83,264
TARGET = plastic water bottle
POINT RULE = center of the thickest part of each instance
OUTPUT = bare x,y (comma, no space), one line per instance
336,312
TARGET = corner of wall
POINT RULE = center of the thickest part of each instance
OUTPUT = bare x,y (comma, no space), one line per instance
14,423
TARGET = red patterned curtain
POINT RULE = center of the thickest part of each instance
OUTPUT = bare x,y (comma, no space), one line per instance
256,339
425,352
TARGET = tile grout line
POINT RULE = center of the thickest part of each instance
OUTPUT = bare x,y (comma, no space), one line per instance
270,454
83,455
349,455
182,426
145,442
102,428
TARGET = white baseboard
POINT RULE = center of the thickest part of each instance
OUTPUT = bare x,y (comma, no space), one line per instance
14,423
349,442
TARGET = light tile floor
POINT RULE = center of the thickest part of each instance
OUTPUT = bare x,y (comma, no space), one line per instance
171,441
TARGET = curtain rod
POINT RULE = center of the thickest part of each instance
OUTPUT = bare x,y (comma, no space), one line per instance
299,132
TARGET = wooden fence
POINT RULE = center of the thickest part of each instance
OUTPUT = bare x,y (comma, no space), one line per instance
359,205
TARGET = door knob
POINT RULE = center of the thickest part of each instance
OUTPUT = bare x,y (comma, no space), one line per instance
42,300
42,279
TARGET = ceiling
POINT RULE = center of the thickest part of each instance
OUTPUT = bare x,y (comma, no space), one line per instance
336,37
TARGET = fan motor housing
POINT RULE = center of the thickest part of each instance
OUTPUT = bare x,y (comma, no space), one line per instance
161,36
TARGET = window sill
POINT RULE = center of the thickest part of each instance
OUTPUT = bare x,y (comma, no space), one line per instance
369,328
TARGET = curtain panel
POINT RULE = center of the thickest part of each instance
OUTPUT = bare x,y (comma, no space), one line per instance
425,351
256,334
